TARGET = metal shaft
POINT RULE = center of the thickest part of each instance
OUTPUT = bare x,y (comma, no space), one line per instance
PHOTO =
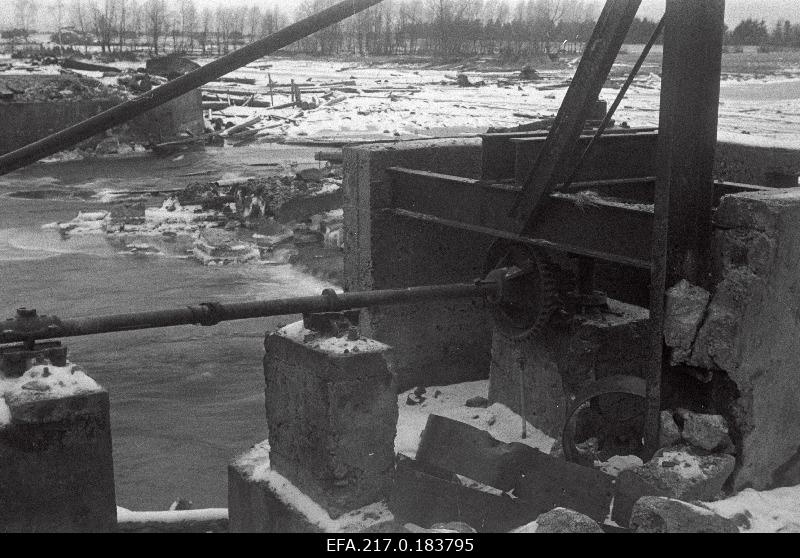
213,313
181,85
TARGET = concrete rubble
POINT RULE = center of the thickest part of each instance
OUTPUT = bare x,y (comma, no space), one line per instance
655,514
563,520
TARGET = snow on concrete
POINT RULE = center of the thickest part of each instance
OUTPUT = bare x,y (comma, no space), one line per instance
299,502
337,345
47,380
768,511
498,420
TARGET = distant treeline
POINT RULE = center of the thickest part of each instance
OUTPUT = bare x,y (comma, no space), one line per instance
438,28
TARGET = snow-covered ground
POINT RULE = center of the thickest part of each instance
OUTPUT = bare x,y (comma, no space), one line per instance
358,102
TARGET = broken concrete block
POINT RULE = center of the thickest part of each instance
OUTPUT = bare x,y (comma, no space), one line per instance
563,520
751,331
332,413
708,432
675,473
655,514
670,434
683,314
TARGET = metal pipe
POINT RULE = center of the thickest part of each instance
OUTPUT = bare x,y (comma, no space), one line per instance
181,85
213,313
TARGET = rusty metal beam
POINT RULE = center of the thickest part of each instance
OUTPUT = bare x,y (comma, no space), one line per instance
598,57
684,197
181,85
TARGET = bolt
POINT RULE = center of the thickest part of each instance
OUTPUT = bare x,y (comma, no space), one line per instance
26,312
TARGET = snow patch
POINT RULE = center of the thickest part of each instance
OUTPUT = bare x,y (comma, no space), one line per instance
337,345
48,380
498,420
770,511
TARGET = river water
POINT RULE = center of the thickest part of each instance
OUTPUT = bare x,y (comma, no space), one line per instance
184,400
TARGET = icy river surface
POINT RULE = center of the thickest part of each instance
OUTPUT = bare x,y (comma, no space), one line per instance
184,400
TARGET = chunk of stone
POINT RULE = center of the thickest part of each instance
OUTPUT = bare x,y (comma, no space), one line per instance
477,401
670,433
656,514
564,520
708,432
676,473
685,307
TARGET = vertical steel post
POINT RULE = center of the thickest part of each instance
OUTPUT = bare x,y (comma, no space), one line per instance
684,193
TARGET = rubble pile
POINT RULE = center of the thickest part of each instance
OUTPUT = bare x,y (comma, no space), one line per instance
683,488
63,88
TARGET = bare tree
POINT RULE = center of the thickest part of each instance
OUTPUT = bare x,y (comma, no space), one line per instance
79,17
206,19
156,22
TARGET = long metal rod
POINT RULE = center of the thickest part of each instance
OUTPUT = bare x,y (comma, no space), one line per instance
610,113
213,313
181,85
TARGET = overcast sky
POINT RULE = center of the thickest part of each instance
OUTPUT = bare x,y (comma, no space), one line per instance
736,10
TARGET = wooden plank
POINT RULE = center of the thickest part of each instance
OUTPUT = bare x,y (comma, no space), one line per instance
598,57
463,449
537,479
684,197
423,495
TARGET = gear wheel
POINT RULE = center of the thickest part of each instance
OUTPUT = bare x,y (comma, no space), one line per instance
530,293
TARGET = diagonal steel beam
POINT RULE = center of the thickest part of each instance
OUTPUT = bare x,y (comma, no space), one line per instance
601,51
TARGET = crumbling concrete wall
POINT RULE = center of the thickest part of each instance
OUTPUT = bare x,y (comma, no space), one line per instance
434,342
749,328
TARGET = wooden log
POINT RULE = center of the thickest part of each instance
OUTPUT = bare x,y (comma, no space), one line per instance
244,81
232,130
73,64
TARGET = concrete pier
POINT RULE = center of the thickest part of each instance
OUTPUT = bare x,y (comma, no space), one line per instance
332,415
56,468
